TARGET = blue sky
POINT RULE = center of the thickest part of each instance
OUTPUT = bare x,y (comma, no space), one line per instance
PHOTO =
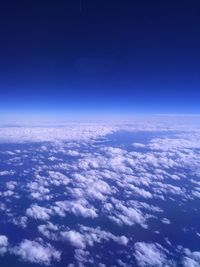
107,57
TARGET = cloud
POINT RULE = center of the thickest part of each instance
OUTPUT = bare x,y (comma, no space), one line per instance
11,185
96,235
49,230
89,237
123,215
191,259
166,221
36,252
38,212
85,193
7,173
68,132
57,178
86,236
74,238
82,256
151,254
3,244
21,222
79,208
139,145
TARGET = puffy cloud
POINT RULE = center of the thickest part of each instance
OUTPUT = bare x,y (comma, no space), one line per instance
11,185
139,191
78,173
6,173
57,178
3,244
88,236
21,222
74,238
79,208
49,230
191,259
181,142
38,212
38,190
36,252
124,215
82,257
96,235
151,254
7,193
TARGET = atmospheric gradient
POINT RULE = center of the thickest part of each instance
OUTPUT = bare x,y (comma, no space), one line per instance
100,133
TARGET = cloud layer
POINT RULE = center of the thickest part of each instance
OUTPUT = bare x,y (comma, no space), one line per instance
100,195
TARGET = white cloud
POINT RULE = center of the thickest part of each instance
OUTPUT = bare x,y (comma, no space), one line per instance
191,259
86,236
151,254
36,252
74,238
3,244
20,221
11,185
44,133
38,212
82,257
49,230
139,145
97,235
99,183
57,178
6,173
123,215
79,208
166,221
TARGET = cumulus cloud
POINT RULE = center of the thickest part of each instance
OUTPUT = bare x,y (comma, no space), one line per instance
79,208
11,185
88,236
74,238
6,173
191,259
3,244
36,252
86,191
123,215
85,236
57,178
49,230
21,222
38,212
151,254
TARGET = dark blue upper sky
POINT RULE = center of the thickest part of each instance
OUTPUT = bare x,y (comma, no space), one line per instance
99,56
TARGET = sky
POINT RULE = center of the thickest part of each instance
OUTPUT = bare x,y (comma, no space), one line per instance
98,57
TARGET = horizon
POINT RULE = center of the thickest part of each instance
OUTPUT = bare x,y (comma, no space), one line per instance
99,133
106,118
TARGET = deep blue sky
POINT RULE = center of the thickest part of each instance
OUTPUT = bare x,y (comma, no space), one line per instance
105,56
